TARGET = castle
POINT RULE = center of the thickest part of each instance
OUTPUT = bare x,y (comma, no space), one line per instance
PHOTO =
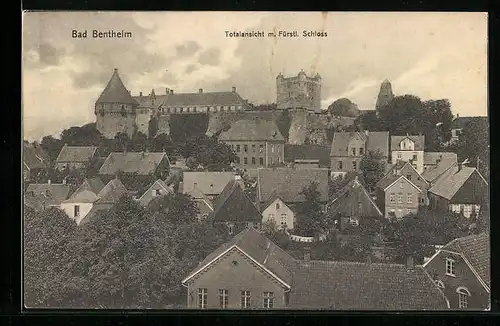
299,92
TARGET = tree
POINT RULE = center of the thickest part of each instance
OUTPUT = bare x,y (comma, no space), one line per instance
344,107
284,122
208,152
373,168
122,142
311,221
152,127
474,144
139,142
177,208
52,146
86,135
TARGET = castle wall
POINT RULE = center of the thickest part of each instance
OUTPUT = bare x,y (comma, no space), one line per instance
217,120
298,92
163,124
298,128
114,118
142,121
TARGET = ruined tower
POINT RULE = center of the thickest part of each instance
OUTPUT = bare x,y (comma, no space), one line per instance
115,109
298,92
385,94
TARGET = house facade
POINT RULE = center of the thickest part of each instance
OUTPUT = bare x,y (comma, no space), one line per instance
210,184
277,212
157,189
80,203
35,160
398,197
463,192
256,143
409,149
75,157
461,269
349,148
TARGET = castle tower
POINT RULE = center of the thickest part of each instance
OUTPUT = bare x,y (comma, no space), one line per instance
115,109
298,92
385,94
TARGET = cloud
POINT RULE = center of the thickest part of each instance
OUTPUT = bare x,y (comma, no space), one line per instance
191,68
210,57
187,49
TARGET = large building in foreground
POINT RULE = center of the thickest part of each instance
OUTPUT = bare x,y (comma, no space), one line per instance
298,92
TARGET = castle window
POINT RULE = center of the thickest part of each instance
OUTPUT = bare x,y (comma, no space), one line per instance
188,109
253,160
123,111
238,148
194,109
245,160
181,109
245,148
261,148
261,161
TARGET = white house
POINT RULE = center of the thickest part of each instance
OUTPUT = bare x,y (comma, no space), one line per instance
277,211
409,149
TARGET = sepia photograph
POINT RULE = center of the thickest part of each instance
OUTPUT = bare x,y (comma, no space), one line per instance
334,161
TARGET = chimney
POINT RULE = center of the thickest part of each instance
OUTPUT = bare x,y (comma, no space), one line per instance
200,90
366,132
64,181
307,254
234,89
171,91
409,263
167,91
48,182
140,93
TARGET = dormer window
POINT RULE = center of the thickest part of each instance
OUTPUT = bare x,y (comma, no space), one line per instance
450,267
439,284
277,205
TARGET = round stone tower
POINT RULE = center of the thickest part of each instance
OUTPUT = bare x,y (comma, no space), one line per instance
115,109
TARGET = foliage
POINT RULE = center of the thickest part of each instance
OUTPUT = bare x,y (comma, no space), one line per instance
52,146
284,122
86,135
153,127
177,208
343,107
139,142
186,126
473,144
311,220
208,152
369,121
339,182
372,166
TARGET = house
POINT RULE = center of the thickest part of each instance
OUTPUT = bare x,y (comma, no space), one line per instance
409,171
458,124
157,189
234,209
409,148
461,269
256,143
139,163
462,192
210,184
204,204
41,196
75,157
352,203
277,212
348,149
439,165
251,272
397,196
288,183
317,155
87,198
35,160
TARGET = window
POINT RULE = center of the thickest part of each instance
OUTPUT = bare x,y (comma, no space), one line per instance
271,216
467,211
463,295
272,148
408,176
353,221
400,198
261,161
439,284
194,109
354,165
245,160
238,148
230,229
261,148
223,298
249,225
277,205
77,210
253,160
278,148
245,148
414,156
353,151
339,165
392,197
188,109
181,109
238,160
245,299
399,156
361,151
156,192
450,267
253,148
202,298
283,217
268,300
409,198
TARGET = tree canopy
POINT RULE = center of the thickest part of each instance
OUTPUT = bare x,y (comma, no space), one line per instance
344,107
372,166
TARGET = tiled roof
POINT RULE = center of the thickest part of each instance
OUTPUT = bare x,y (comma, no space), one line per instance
287,183
447,161
209,183
76,154
418,140
448,187
378,141
390,177
348,199
115,92
111,192
461,122
160,183
317,152
361,286
94,185
35,157
259,248
193,99
375,141
82,196
340,142
476,249
233,205
38,195
142,163
252,130
92,214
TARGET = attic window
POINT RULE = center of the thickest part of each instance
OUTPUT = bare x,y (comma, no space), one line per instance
235,263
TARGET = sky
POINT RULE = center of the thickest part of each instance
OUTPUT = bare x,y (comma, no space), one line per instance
430,55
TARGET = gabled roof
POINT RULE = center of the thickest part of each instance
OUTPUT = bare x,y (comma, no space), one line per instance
418,140
76,154
111,192
316,152
264,252
83,196
361,286
448,187
391,179
348,199
158,183
341,141
461,122
209,183
142,163
193,99
38,195
252,130
200,196
476,250
447,160
115,92
268,202
233,205
374,141
34,157
288,183
391,176
94,185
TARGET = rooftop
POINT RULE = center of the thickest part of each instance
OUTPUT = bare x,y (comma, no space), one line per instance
252,130
142,163
447,188
115,92
209,183
76,154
